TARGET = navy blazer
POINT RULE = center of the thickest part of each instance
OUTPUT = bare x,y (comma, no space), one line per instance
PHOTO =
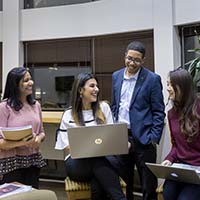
147,107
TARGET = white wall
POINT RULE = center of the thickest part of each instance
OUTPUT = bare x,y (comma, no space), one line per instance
12,46
1,22
88,19
99,18
166,46
186,12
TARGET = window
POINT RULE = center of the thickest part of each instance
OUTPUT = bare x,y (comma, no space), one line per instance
47,3
1,5
188,41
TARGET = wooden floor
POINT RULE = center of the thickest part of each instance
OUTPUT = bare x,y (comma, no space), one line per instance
58,188
55,170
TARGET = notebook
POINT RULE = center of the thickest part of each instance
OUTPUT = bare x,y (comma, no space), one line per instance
175,173
99,140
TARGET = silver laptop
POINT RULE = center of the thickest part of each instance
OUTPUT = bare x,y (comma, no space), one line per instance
174,173
99,140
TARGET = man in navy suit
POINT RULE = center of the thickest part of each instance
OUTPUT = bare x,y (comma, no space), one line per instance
137,100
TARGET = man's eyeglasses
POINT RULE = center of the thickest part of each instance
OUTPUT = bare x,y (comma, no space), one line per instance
137,61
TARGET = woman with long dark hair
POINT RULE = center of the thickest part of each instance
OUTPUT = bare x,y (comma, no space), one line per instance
184,124
86,110
20,160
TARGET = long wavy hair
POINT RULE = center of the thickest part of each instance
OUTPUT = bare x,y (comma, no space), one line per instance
186,102
76,101
12,91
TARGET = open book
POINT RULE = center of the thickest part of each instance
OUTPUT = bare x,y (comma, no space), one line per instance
8,189
17,133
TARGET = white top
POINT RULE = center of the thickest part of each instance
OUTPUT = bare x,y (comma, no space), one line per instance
68,122
127,90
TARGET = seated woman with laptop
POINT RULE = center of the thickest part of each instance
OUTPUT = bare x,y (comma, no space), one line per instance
86,110
184,124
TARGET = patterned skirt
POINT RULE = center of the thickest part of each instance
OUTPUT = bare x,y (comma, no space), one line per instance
17,162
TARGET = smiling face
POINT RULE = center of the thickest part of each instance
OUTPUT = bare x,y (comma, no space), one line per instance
26,85
133,61
170,90
174,93
89,93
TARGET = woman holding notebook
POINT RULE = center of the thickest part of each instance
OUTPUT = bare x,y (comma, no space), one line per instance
20,160
86,110
184,124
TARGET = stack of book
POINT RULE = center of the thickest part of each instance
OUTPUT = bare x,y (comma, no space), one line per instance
17,133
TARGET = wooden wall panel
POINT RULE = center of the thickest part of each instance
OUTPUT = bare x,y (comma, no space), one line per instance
110,51
59,51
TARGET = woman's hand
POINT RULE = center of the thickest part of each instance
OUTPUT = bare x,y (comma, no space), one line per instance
166,163
67,150
7,145
35,141
129,145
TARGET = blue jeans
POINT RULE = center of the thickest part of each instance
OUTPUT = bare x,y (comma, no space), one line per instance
173,190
